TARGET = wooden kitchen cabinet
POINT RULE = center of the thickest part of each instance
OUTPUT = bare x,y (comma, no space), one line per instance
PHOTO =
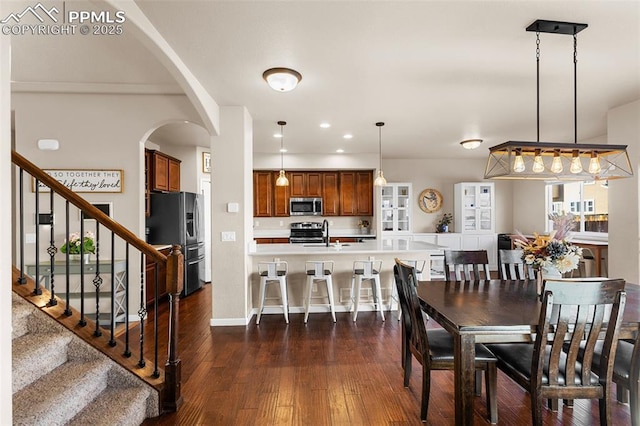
305,184
263,184
164,173
356,193
147,182
150,276
272,240
330,194
281,195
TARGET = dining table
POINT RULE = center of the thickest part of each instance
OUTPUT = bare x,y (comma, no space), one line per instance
494,311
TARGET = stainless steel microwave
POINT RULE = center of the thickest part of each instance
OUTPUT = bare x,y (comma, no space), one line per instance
305,206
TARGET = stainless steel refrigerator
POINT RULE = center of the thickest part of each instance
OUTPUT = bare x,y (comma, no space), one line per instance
178,218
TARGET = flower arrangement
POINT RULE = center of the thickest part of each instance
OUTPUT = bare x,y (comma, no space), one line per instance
443,224
553,250
88,242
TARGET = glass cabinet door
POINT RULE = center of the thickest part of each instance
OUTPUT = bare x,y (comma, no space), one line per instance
474,207
396,208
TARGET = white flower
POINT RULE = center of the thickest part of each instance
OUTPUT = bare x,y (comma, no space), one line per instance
568,262
529,259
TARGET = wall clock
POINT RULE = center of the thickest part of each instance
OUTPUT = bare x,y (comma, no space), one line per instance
430,200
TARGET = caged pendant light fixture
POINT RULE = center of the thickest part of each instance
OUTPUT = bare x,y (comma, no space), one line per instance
557,161
282,177
380,180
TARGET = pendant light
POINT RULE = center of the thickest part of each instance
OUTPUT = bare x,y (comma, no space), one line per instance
282,178
557,161
380,180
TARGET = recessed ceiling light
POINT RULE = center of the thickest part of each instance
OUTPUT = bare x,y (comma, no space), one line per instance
325,125
348,136
283,149
277,135
340,151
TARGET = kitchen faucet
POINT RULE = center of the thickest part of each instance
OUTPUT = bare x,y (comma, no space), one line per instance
325,228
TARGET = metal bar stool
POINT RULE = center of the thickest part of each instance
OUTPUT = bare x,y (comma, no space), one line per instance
366,270
269,272
319,270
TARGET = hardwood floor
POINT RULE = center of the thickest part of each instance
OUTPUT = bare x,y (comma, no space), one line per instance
322,373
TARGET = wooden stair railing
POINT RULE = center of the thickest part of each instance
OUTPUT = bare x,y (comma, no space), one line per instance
171,397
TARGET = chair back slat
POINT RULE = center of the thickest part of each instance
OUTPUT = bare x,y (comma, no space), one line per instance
467,261
576,313
416,330
512,267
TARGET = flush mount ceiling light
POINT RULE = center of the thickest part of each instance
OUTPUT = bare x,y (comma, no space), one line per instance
282,177
471,143
282,79
380,180
557,161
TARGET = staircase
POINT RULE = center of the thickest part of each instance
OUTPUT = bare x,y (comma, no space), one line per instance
60,379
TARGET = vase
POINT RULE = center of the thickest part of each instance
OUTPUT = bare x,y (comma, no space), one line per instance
546,273
76,257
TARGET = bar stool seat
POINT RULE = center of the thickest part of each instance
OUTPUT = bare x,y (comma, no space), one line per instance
366,270
319,271
271,272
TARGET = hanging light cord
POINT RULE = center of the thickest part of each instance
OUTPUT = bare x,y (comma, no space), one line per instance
281,146
380,147
538,85
575,88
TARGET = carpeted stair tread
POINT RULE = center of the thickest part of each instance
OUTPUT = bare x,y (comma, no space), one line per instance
61,395
20,313
35,355
115,406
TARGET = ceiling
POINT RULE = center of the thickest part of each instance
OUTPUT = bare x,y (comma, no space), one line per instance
435,72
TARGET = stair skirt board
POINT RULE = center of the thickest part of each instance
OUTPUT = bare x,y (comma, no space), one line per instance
67,381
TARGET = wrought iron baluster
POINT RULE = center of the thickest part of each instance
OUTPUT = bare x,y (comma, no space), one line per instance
67,310
97,281
156,373
82,321
21,278
112,341
52,250
127,352
37,290
142,312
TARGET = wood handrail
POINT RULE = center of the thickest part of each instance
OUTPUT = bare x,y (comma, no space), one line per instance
87,207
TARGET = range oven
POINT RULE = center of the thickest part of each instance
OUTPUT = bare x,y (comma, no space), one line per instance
306,233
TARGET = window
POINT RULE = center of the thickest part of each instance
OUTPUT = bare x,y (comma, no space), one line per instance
587,200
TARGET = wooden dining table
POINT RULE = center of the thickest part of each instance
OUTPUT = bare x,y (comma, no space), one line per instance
493,311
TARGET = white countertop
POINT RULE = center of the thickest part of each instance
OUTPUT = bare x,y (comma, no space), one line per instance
333,233
367,247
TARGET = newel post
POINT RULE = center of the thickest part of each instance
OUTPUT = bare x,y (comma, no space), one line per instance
172,372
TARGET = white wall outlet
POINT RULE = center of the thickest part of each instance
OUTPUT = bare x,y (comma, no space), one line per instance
228,236
330,223
282,223
30,238
256,223
315,287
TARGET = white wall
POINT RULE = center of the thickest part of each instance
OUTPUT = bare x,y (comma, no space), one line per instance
5,227
623,125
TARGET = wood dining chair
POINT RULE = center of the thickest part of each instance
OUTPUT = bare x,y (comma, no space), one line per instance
467,262
512,267
574,316
433,348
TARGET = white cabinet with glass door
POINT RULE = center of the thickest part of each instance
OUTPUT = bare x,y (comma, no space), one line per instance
395,209
474,207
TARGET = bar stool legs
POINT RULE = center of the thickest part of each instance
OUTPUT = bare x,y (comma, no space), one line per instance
272,272
366,270
319,271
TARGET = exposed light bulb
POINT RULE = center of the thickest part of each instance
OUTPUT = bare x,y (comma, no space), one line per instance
594,164
282,179
556,164
538,164
576,165
518,164
380,180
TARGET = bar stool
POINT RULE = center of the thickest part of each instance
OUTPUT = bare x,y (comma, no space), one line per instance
366,270
269,272
319,270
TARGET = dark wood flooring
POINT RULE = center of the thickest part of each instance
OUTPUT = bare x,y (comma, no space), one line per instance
322,373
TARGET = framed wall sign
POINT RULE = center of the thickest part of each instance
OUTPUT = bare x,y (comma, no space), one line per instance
206,162
85,180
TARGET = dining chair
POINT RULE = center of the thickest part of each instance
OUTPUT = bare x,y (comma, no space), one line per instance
433,348
468,261
418,266
512,267
366,270
573,313
319,271
271,272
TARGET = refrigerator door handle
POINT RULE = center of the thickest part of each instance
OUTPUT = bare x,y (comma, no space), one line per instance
196,218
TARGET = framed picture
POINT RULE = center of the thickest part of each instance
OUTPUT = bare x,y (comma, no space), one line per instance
206,162
106,208
84,180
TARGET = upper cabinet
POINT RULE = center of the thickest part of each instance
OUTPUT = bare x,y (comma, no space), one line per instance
164,173
347,193
474,207
395,210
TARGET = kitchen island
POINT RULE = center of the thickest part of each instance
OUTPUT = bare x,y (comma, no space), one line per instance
343,255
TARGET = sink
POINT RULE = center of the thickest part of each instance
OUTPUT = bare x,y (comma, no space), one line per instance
324,245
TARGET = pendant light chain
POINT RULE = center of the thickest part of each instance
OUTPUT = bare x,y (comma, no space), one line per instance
575,88
538,86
